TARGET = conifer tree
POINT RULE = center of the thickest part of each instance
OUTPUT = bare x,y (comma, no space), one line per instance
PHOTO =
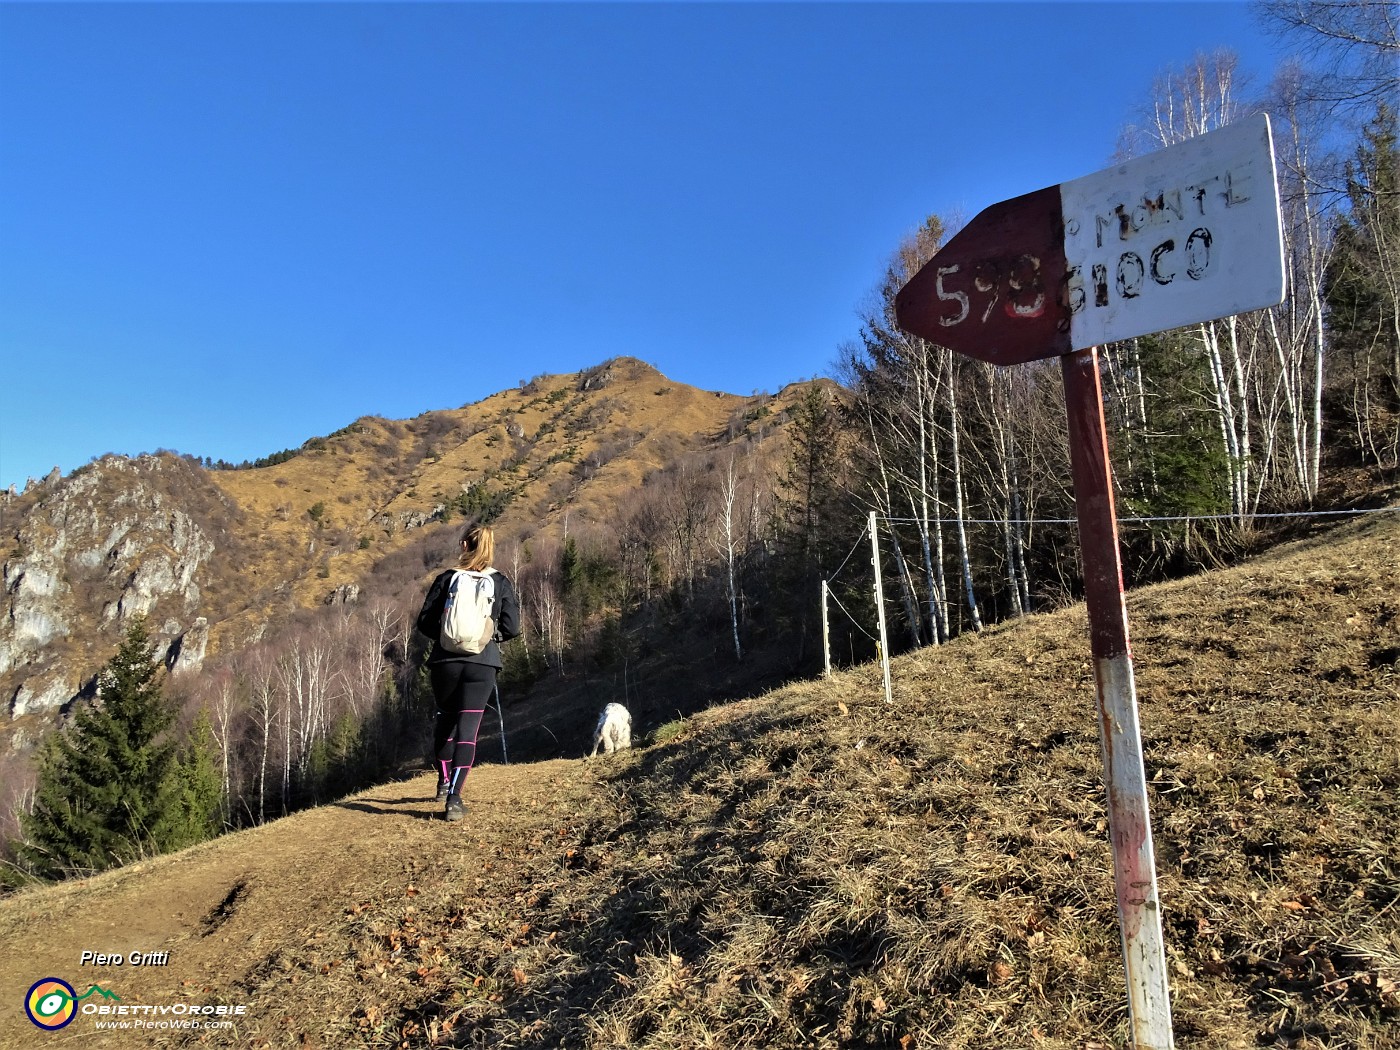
105,793
809,508
197,792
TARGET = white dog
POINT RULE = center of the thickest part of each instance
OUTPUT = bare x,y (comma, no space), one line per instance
614,730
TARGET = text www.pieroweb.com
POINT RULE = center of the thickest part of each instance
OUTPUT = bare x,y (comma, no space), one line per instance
165,1024
182,1017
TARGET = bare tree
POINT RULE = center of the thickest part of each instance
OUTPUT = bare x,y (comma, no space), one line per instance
728,545
959,507
259,669
222,695
1002,404
900,383
1197,98
1264,370
1363,293
366,658
1353,48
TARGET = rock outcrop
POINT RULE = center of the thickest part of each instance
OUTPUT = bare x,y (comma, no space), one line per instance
41,694
87,553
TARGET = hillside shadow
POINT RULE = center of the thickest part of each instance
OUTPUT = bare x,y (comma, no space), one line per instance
554,717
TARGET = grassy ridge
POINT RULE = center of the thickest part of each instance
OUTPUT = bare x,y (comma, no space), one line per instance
816,868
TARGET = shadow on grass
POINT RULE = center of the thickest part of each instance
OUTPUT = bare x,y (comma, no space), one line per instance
629,928
391,807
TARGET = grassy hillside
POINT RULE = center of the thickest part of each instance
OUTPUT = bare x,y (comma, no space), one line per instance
815,868
327,515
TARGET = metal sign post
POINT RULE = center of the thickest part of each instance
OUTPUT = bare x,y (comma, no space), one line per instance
1181,236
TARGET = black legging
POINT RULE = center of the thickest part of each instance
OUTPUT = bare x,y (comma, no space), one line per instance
462,690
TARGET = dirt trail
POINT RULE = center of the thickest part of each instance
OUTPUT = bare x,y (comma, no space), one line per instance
223,910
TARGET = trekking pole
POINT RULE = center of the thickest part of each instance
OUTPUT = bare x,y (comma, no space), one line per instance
501,715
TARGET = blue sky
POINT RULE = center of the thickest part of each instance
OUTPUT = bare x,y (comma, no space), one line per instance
228,228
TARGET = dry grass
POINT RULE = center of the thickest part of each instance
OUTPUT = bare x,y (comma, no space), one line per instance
815,868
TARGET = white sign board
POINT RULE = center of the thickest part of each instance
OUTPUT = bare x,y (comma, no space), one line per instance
1184,235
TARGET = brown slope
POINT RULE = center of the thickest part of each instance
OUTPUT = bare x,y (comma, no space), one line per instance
816,868
380,481
229,912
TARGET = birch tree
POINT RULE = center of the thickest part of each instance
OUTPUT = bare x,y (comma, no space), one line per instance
1352,48
366,660
959,515
222,701
728,546
1264,370
1363,291
260,676
899,382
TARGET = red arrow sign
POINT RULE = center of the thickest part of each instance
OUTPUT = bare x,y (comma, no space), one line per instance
994,291
1183,235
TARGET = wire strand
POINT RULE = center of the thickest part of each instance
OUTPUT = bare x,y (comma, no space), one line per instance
863,533
853,620
1181,517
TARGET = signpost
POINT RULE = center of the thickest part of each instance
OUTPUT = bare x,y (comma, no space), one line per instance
1185,235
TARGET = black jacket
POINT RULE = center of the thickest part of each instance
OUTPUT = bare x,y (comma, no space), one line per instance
505,609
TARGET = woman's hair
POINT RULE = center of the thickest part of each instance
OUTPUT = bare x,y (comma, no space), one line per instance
478,547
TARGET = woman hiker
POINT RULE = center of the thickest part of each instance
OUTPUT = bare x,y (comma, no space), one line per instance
463,681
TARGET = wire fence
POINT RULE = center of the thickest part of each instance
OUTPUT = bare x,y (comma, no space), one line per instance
1153,519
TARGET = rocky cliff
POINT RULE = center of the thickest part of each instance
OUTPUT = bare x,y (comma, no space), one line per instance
116,539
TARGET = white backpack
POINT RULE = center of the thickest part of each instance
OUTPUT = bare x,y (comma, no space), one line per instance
467,623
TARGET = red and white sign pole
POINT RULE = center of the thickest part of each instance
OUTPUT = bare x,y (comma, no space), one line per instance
1125,775
1181,236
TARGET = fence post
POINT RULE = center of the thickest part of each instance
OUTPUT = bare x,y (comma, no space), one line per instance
826,633
880,606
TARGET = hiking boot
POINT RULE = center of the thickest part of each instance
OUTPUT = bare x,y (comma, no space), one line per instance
455,810
441,791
